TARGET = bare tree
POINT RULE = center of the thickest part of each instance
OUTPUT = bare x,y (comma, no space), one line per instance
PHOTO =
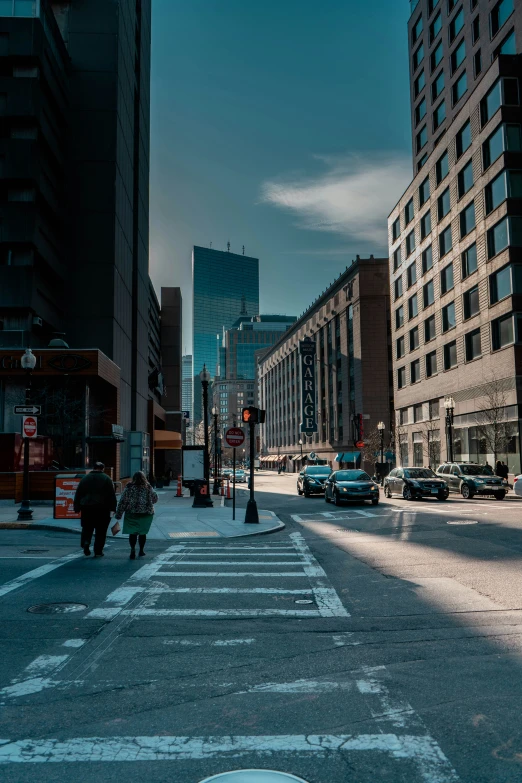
431,441
493,428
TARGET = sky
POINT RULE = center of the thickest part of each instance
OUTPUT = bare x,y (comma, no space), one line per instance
279,125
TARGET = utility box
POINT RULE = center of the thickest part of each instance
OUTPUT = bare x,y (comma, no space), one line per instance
193,465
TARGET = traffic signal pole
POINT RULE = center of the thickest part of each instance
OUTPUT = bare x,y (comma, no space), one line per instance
251,515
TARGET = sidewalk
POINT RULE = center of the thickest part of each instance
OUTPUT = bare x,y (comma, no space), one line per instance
174,518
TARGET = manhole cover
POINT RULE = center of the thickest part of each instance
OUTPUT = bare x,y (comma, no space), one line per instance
463,522
303,601
61,608
253,776
33,551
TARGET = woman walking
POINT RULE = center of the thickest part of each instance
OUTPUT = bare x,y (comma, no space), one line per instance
137,503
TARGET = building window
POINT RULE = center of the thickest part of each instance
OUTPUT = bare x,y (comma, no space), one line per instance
503,93
475,29
432,4
419,83
428,293
437,87
502,332
456,25
396,229
439,115
422,138
442,167
450,355
463,139
401,377
467,220
411,274
427,258
422,162
399,348
505,282
413,307
451,5
465,179
431,364
418,57
399,317
472,343
436,56
448,317
507,184
408,212
429,329
471,302
458,56
425,224
415,371
410,243
469,261
398,288
424,191
404,416
445,242
397,258
435,27
508,46
477,63
414,338
505,137
446,279
506,232
417,413
499,15
443,204
416,30
459,88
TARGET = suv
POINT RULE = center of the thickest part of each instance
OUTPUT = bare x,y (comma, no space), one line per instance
470,479
311,480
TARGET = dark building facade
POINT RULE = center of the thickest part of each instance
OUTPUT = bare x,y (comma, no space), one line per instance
349,325
74,152
455,237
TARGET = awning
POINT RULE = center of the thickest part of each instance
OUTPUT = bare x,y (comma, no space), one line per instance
340,457
165,439
296,457
352,456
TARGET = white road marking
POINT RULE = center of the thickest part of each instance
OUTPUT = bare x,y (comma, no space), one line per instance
33,679
221,590
300,686
45,664
423,751
366,513
328,602
24,579
233,574
236,563
217,643
74,643
222,612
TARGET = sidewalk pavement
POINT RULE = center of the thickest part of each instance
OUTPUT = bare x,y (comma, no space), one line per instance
174,518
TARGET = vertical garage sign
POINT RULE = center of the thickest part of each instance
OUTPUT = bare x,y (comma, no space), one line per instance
307,350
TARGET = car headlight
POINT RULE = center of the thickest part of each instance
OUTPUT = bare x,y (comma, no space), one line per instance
479,481
344,489
414,483
374,487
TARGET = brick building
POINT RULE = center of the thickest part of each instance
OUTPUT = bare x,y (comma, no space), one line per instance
349,324
455,236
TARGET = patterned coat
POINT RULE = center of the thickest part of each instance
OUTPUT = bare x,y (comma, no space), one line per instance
136,500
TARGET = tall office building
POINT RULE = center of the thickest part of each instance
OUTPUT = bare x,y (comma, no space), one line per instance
186,394
455,237
225,286
75,157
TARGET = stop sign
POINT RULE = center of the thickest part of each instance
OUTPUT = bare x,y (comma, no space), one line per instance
235,437
29,429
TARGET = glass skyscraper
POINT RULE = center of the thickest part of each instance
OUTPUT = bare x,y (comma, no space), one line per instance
225,286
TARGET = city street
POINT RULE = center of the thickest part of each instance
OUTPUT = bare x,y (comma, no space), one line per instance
361,643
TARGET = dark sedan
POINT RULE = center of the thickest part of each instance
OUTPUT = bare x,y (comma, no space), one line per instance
414,483
310,481
343,485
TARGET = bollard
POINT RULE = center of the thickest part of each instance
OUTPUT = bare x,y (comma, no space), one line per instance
179,493
228,489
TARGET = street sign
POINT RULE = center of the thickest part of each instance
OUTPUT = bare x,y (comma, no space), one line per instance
27,410
29,427
360,444
235,437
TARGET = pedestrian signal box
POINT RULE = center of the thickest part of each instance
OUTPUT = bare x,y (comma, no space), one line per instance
253,415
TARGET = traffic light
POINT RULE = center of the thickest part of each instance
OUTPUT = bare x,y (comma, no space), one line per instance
253,415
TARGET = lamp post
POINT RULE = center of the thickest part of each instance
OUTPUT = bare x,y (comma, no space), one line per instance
205,380
449,404
25,512
381,427
301,445
215,486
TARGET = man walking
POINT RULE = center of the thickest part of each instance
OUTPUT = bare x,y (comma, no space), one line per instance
95,499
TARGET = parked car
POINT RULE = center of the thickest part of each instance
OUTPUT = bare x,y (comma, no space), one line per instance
470,478
412,483
517,485
311,479
240,477
343,485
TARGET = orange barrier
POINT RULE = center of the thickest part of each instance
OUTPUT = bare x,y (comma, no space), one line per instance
179,493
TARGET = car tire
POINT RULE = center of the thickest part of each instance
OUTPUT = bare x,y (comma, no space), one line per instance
326,497
336,499
407,494
466,491
500,495
442,496
375,501
387,492
306,493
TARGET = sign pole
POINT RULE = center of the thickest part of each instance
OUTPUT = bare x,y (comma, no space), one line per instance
252,515
234,483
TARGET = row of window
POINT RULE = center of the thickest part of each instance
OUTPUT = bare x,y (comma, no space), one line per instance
505,331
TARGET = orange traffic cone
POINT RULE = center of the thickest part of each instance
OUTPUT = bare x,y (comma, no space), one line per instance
228,489
179,493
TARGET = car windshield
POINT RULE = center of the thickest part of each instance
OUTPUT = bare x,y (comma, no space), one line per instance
473,470
352,475
318,470
419,473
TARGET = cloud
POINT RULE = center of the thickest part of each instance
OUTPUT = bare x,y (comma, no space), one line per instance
352,198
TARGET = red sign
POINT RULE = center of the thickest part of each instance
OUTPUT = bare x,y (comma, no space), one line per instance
235,437
29,427
360,444
64,497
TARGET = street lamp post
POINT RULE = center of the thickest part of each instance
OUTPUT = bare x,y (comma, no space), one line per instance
449,404
215,487
381,427
205,380
301,445
25,512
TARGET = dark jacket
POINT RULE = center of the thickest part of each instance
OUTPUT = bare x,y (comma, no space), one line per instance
95,490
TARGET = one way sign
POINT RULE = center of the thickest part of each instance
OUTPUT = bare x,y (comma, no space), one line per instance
27,410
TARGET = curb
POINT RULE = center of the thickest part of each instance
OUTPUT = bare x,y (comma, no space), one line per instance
31,526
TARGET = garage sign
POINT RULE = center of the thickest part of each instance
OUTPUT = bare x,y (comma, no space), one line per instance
307,349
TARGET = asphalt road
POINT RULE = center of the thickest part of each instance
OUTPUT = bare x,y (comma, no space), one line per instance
360,644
